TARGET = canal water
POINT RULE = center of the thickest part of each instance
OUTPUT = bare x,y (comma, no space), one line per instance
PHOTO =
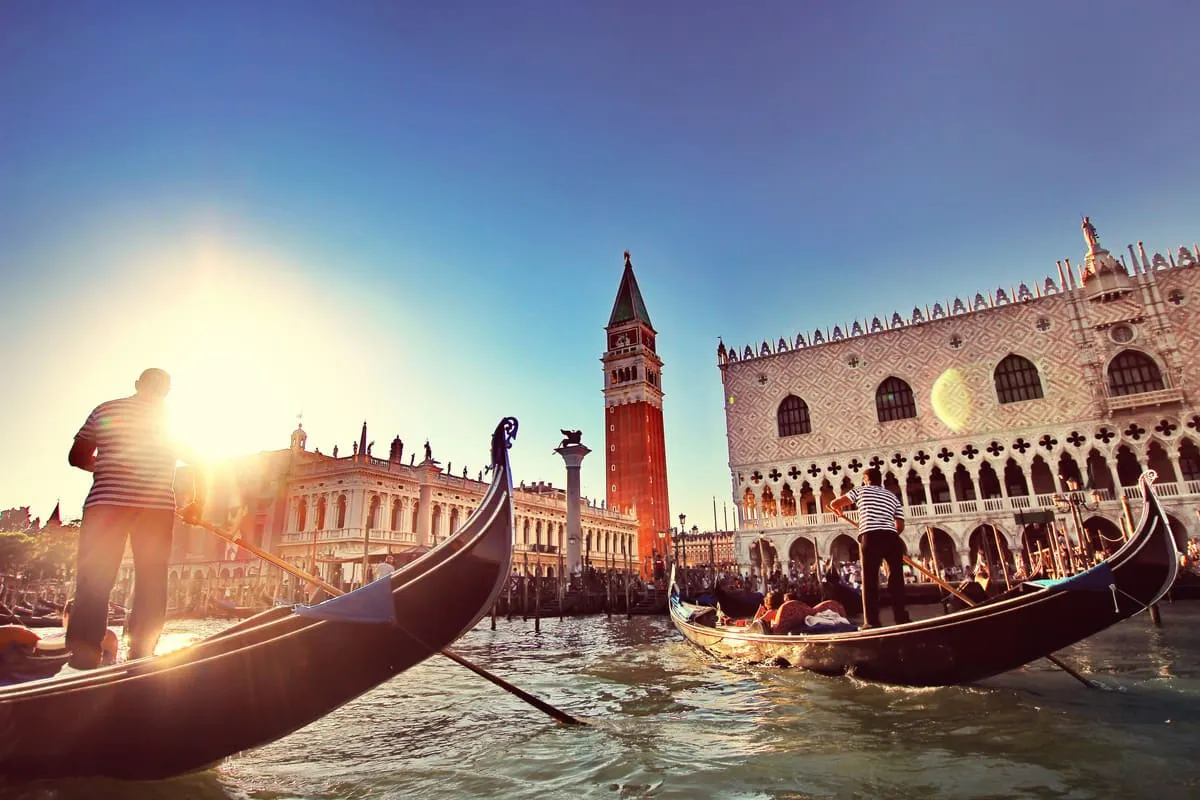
668,721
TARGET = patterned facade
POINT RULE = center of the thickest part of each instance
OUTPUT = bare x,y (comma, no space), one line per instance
975,411
635,447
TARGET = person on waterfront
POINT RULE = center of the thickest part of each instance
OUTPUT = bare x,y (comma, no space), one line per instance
880,523
125,445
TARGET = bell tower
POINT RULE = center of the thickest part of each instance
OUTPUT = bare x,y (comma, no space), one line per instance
635,450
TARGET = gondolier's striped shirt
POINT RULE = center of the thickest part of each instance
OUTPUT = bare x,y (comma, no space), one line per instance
135,460
877,508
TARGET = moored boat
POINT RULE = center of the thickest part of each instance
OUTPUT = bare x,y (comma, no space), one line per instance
978,642
266,676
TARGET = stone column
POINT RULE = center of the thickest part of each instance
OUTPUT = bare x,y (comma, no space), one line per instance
572,455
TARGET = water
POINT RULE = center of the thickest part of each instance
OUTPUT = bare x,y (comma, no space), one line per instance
667,721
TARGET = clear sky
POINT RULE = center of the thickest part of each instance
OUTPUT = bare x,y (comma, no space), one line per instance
414,214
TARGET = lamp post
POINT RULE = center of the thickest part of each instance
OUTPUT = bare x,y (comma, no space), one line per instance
1072,502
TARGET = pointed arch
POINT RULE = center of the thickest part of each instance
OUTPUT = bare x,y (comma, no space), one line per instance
894,400
787,501
1189,460
768,503
1158,460
1040,476
749,506
792,417
1133,372
1014,479
1016,379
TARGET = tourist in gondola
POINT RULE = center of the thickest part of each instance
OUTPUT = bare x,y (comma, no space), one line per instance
125,445
880,523
789,614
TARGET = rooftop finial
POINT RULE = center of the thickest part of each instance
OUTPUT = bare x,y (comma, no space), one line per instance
1090,235
627,258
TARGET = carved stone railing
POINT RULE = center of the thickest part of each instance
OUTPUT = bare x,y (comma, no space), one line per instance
1161,397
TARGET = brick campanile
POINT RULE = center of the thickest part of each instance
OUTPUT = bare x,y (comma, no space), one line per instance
635,451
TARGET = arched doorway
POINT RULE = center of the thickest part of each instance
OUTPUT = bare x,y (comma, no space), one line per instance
763,556
942,557
986,543
801,556
843,548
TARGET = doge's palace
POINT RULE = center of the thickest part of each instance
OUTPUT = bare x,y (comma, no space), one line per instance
977,411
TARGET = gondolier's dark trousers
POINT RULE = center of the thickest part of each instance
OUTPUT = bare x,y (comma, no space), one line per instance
102,539
879,547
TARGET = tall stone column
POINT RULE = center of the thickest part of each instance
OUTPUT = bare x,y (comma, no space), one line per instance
572,454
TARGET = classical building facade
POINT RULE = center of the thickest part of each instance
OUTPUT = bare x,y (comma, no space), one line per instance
635,449
977,412
323,513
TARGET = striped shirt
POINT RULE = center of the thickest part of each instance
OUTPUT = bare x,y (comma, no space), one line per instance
877,508
135,460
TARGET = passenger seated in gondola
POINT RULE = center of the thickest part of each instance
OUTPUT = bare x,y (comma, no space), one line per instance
787,614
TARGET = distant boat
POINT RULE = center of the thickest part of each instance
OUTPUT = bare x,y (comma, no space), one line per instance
266,676
1032,621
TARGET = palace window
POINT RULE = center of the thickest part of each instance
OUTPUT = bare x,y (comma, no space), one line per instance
793,416
1017,379
1133,372
894,400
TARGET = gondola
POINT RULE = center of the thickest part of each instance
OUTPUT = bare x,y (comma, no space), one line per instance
974,643
266,676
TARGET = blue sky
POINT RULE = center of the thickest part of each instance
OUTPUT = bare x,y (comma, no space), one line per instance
415,214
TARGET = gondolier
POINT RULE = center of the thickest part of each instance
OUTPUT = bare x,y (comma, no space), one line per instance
880,522
124,444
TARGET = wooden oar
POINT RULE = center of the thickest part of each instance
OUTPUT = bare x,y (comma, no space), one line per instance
541,705
1056,662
